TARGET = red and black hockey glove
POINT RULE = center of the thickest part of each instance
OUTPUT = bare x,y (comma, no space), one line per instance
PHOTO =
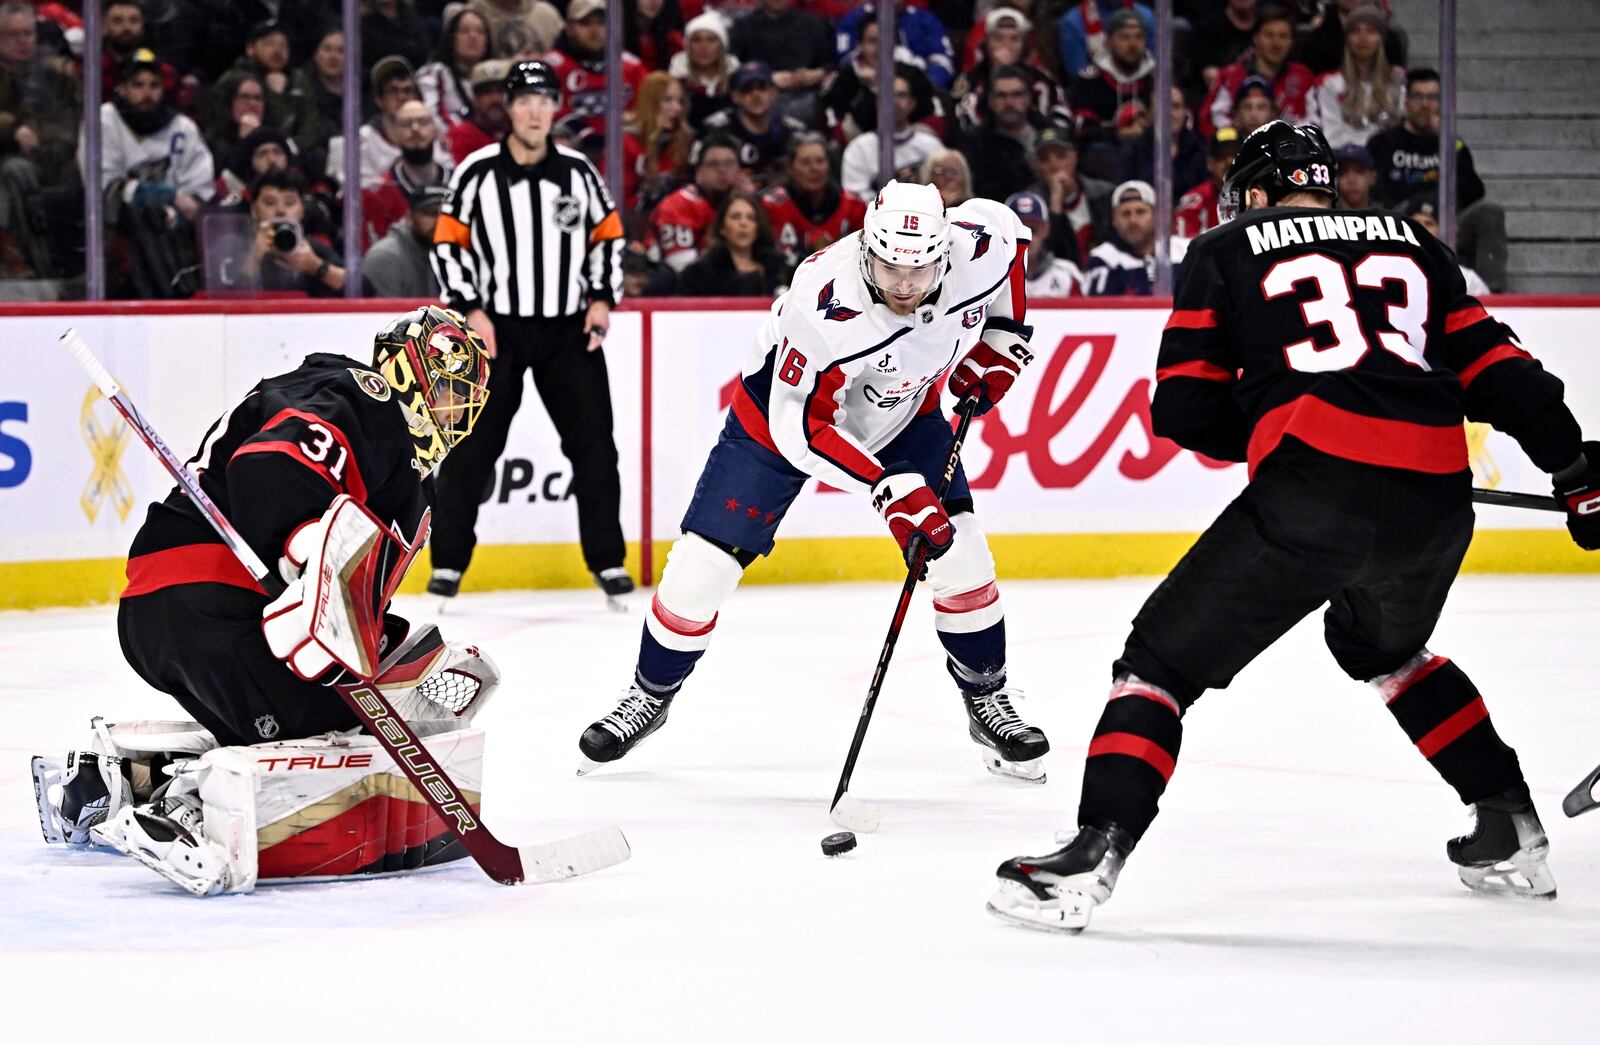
1578,490
994,363
913,513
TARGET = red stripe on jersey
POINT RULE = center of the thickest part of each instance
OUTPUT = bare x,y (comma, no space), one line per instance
187,564
1488,359
1449,731
1019,288
976,599
351,482
752,419
1197,368
1434,449
843,453
1134,746
1462,318
1191,319
820,407
680,625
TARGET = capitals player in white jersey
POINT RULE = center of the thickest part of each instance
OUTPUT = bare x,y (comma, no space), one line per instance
841,385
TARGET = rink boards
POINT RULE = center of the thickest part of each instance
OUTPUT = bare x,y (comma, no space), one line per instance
1067,478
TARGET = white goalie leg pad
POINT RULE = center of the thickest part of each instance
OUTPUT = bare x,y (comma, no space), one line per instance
698,579
965,596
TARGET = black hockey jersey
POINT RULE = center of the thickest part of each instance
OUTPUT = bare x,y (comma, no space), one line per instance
1352,332
277,460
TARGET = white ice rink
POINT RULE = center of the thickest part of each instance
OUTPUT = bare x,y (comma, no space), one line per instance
1294,888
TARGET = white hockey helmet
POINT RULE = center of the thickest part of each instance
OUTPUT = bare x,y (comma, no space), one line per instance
905,240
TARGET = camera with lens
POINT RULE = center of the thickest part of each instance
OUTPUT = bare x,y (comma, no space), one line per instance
285,235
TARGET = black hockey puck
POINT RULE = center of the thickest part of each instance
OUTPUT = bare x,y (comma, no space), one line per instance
838,844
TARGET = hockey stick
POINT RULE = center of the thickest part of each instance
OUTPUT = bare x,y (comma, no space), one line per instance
848,811
508,865
1509,499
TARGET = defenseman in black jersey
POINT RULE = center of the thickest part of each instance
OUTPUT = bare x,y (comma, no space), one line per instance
1337,352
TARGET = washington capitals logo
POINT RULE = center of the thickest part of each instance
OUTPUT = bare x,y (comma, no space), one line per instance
830,307
980,234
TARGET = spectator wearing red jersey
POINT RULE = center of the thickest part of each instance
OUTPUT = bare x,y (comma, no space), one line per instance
763,135
741,260
1197,210
679,224
1267,58
705,66
1364,96
653,30
810,210
579,61
1006,43
656,142
446,82
489,121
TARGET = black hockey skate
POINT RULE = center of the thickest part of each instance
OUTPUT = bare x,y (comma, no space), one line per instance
444,583
1505,853
615,582
636,717
1058,892
1011,747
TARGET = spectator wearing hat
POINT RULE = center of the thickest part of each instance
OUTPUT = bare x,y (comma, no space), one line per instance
263,149
653,30
1322,49
394,27
41,209
1253,106
796,45
266,57
519,28
998,149
1049,276
1220,37
1082,32
1125,264
1354,102
1006,43
389,200
1197,209
948,172
1407,161
446,82
1423,208
1268,58
488,122
122,33
680,223
397,266
1357,176
705,66
763,134
1187,148
578,59
317,88
155,172
1110,98
384,137
1079,206
918,30
913,145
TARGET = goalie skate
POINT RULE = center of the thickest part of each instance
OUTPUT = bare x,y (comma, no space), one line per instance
1059,892
1505,853
164,835
1011,748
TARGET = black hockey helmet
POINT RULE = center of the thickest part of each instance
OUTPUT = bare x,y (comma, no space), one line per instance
532,77
1279,158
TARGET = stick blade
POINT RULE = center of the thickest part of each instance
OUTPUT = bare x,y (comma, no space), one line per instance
570,857
852,814
1581,799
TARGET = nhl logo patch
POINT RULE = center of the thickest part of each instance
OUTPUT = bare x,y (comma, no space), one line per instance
372,384
267,727
1300,177
926,315
567,213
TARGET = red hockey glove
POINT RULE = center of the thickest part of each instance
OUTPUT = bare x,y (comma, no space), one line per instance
1578,490
994,363
913,513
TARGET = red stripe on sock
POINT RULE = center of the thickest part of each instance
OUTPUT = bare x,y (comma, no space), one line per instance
1446,733
1147,751
680,625
966,602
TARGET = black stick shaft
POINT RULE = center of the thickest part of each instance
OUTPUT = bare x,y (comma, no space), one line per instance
1509,499
966,409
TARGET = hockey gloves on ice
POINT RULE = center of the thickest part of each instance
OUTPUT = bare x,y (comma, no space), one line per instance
1578,490
913,513
994,363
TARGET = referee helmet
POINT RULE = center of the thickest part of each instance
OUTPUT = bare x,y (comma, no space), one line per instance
532,77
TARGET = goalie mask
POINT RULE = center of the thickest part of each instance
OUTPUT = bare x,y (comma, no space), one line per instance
904,241
439,370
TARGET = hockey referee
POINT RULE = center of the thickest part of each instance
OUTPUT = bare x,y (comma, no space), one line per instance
529,249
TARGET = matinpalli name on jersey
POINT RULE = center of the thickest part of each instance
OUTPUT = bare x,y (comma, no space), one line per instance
1289,232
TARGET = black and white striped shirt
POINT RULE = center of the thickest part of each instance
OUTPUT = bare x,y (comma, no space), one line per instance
543,240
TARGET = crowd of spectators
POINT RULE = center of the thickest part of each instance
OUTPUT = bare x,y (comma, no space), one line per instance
750,130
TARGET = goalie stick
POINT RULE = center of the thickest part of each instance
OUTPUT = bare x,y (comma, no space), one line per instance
506,864
848,811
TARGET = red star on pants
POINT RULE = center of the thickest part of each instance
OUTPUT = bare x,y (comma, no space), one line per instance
770,516
754,513
732,505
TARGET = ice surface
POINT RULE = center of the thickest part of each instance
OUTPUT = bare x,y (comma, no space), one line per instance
1293,889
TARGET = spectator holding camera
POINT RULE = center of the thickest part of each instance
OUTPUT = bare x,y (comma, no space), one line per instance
281,258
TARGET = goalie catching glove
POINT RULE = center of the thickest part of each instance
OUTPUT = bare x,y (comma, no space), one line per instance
993,365
913,513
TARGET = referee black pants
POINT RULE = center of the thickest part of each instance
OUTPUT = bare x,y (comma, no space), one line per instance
1379,547
573,385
